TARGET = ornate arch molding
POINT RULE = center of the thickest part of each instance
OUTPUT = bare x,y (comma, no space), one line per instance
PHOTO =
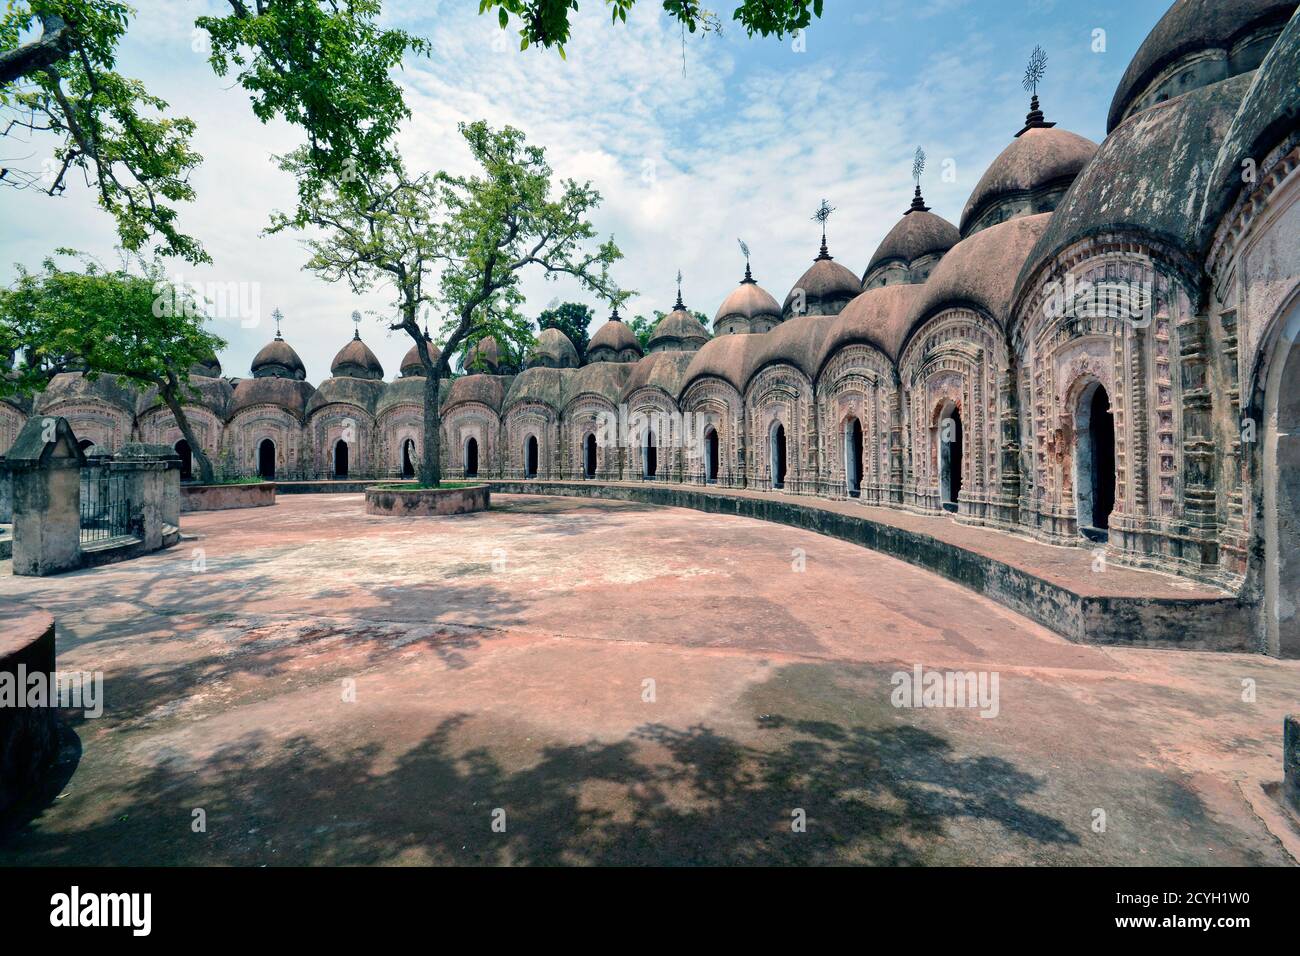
479,421
530,419
669,451
1237,223
859,382
581,417
723,409
780,392
334,421
959,354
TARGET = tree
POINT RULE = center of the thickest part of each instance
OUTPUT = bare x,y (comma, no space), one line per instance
62,83
643,328
323,65
571,318
99,321
546,22
455,243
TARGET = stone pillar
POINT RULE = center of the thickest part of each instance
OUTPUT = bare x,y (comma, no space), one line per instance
1291,761
45,463
146,468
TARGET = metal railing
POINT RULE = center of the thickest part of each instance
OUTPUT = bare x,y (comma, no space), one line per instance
106,511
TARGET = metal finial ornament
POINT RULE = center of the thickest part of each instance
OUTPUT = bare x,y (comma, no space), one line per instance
680,305
278,316
918,167
356,322
744,248
821,215
1034,73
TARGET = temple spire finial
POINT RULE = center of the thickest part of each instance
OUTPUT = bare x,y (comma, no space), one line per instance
918,167
749,278
278,316
821,215
356,323
679,306
1034,73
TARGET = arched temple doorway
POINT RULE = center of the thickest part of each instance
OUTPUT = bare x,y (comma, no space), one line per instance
1094,462
778,455
471,458
266,459
530,457
187,459
853,456
712,448
408,458
649,456
589,456
340,459
950,457
1280,486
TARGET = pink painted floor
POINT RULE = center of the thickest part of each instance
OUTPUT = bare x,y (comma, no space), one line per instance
625,684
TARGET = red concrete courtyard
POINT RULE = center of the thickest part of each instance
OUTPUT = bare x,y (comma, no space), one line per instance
618,683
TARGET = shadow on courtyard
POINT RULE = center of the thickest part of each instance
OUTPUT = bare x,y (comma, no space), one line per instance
661,796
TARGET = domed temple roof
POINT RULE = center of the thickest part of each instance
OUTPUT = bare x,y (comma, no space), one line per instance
919,233
724,358
603,379
1269,114
539,384
614,342
662,370
489,390
877,317
411,364
209,367
979,272
678,331
214,394
826,288
552,350
1040,161
483,356
277,359
355,360
75,386
364,393
747,301
1148,176
408,391
1197,42
290,394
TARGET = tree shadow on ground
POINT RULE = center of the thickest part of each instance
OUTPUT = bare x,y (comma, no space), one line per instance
660,796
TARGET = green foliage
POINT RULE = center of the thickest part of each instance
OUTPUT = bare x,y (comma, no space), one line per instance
643,328
139,327
62,86
547,22
323,65
571,318
508,218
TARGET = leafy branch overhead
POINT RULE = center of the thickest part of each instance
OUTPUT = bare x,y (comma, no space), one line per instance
325,67
62,86
547,23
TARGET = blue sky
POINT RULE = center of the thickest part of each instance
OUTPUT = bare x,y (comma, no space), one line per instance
743,143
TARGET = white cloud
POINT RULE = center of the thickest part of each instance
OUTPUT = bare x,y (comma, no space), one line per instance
744,143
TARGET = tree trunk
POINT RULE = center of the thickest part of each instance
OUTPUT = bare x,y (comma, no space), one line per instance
431,460
168,392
